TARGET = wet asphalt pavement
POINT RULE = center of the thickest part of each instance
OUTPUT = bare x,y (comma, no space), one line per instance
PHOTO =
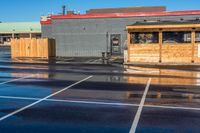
108,102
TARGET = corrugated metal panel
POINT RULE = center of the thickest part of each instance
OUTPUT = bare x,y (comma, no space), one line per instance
47,31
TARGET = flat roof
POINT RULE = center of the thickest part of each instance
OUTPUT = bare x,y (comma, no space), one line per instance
120,15
127,10
20,27
165,24
123,15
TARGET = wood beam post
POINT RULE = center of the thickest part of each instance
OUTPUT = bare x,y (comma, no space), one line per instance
30,34
128,45
13,35
193,43
160,45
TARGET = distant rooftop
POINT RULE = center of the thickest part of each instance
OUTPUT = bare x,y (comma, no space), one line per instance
20,27
127,10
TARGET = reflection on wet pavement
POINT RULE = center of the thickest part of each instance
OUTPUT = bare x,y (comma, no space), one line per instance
105,103
165,76
58,117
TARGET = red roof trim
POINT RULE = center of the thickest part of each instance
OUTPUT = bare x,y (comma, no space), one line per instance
124,15
48,22
120,15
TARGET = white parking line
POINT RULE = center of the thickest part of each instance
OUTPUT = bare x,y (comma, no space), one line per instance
40,100
69,101
16,79
139,111
99,103
172,107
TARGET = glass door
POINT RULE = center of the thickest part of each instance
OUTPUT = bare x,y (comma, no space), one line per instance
115,44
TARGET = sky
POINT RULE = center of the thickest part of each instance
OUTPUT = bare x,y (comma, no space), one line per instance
31,10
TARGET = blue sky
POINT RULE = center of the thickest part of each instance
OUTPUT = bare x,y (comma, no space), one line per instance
31,10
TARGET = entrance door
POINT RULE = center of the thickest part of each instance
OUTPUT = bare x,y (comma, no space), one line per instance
115,44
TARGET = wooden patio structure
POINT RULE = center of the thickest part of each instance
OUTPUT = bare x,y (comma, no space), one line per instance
164,42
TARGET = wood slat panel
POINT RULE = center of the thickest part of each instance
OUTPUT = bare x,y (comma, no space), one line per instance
177,53
170,53
144,53
33,48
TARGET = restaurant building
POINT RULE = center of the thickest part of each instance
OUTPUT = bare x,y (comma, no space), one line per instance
103,30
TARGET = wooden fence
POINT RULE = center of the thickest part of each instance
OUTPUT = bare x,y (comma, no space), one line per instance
33,48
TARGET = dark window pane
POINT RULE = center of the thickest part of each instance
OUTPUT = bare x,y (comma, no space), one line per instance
197,36
177,37
144,37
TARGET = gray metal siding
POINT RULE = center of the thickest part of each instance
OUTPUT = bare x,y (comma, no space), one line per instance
47,31
87,37
79,38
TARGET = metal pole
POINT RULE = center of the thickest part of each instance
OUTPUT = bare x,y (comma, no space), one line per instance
63,9
107,41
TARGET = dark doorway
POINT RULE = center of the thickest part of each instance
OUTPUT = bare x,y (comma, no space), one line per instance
115,44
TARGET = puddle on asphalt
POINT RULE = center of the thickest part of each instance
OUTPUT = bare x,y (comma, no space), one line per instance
165,76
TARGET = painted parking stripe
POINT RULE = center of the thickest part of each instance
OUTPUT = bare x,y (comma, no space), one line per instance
70,101
173,107
139,111
40,100
10,81
100,103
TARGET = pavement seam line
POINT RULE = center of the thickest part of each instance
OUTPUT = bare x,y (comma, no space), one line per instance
139,111
39,101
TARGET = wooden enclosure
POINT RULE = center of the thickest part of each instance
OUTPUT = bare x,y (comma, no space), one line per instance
33,48
161,51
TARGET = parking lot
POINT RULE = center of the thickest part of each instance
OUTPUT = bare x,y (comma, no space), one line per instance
84,98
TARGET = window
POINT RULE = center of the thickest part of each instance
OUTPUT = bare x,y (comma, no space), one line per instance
197,37
144,37
177,37
38,36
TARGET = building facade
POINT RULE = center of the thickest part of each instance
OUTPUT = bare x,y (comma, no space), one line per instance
19,30
88,35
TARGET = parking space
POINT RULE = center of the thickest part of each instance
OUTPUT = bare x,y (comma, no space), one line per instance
8,105
97,98
165,120
72,117
83,108
174,96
